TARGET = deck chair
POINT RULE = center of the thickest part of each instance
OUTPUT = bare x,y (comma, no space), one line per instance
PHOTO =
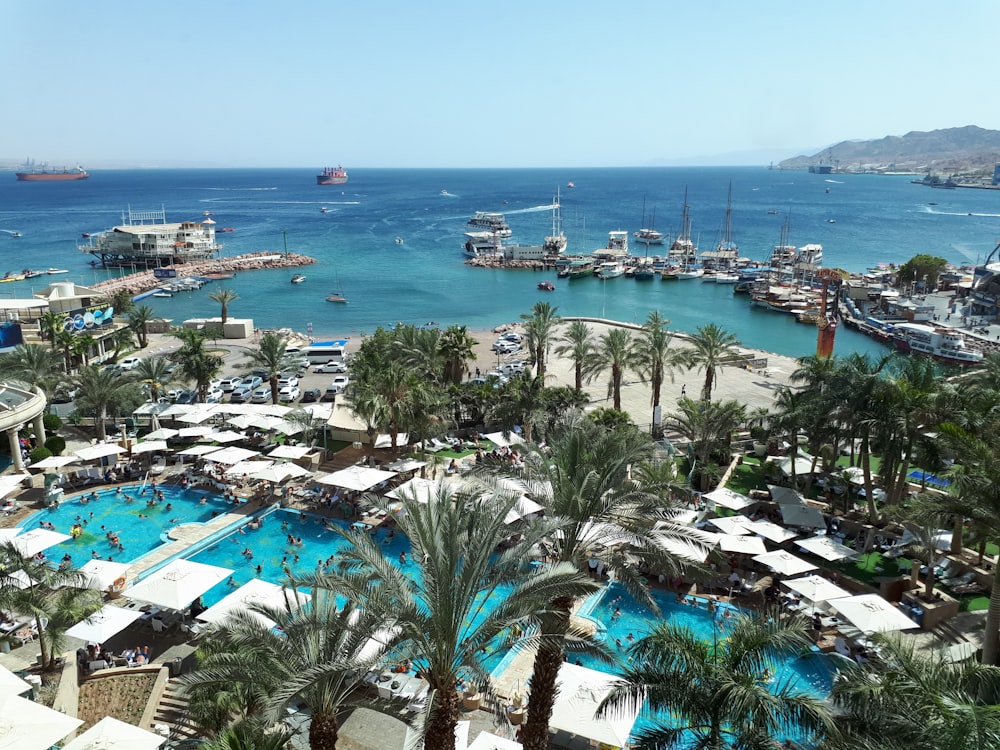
841,647
158,626
158,466
959,581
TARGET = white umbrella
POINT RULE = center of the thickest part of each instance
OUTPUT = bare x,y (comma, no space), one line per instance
728,499
279,472
275,410
102,574
771,531
30,543
176,410
735,525
802,515
53,462
803,465
11,683
162,433
404,465
816,588
255,591
26,725
744,545
105,623
265,422
524,507
784,563
197,430
490,741
178,584
197,416
358,478
150,446
504,441
241,421
112,734
785,495
870,613
581,691
7,535
198,450
100,450
290,451
826,548
11,482
418,488
226,436
231,455
248,468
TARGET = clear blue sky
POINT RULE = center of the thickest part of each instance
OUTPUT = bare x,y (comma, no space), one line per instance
470,84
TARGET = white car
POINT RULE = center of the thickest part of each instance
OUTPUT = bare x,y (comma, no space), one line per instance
261,396
289,393
214,396
332,366
129,363
287,381
512,368
505,347
341,381
229,384
511,336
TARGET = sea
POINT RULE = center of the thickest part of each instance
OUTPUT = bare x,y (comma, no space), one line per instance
861,220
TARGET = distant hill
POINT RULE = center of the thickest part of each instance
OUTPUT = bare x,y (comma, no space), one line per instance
966,150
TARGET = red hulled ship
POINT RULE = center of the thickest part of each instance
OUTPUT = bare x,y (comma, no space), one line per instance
31,172
332,176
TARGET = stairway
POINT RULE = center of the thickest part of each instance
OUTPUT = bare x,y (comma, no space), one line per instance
171,711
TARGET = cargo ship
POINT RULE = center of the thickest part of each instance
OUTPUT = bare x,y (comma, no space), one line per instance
31,172
332,176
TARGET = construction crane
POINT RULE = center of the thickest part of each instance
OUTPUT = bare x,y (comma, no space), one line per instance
829,279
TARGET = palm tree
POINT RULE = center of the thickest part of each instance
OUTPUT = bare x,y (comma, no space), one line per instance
582,479
709,426
712,348
122,338
138,320
270,355
312,655
419,350
247,734
53,597
194,362
224,297
615,351
154,372
468,593
915,698
370,407
456,347
102,393
38,366
520,403
653,358
50,324
579,345
713,691
401,391
539,328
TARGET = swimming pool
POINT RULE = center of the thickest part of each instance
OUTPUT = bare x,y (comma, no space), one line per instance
140,527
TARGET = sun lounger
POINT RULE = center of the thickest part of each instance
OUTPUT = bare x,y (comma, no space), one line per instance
841,647
956,582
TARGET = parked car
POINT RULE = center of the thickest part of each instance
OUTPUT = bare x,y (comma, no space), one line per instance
214,395
334,365
511,336
241,394
330,394
512,368
289,393
261,395
229,384
311,394
186,397
129,363
254,381
287,381
341,381
505,347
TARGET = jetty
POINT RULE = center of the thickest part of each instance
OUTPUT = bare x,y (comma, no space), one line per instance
145,281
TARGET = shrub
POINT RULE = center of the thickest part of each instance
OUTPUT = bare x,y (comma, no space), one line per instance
40,453
55,444
52,423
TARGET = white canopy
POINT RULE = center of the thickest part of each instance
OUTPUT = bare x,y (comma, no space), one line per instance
825,547
735,525
248,467
420,489
728,499
279,472
870,613
490,741
53,462
581,691
11,482
30,543
359,478
803,465
771,531
802,515
784,563
105,623
94,452
290,451
101,574
163,433
197,415
178,584
230,455
265,421
149,446
385,440
198,450
226,436
255,591
404,465
524,507
744,545
816,588
785,495
8,534
11,683
112,734
198,430
26,725
498,438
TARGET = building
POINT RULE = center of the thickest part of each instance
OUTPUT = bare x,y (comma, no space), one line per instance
146,240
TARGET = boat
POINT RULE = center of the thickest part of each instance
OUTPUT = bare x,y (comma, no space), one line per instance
647,235
772,211
546,286
29,274
444,191
298,278
482,244
934,181
682,249
644,271
398,240
55,271
726,278
31,172
332,176
943,344
578,268
9,276
727,252
556,243
225,229
86,234
489,221
336,297
688,274
163,294
610,270
570,185
15,234
324,210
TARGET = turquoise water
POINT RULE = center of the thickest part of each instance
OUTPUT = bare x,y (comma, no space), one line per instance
140,528
878,218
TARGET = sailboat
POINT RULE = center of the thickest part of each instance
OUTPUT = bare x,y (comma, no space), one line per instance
556,242
727,251
647,235
683,250
338,295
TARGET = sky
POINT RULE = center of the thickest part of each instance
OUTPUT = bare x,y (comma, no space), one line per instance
447,83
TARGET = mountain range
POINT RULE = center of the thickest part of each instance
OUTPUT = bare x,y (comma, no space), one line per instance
964,150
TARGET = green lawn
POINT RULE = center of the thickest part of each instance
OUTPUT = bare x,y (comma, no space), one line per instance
747,476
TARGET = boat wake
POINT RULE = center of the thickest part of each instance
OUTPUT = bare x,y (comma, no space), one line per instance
237,189
835,182
11,232
932,210
532,210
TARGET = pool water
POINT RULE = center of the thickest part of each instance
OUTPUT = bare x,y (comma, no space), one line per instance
140,528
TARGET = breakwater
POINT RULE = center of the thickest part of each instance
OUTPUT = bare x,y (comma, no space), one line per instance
144,281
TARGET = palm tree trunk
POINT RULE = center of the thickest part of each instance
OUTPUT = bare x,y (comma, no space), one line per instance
706,391
578,371
991,636
440,727
548,660
323,732
45,655
616,379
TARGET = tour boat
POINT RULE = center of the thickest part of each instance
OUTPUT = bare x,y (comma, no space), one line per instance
546,286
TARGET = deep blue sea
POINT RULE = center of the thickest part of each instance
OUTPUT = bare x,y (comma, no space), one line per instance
877,219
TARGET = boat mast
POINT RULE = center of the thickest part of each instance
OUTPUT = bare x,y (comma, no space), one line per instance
284,236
